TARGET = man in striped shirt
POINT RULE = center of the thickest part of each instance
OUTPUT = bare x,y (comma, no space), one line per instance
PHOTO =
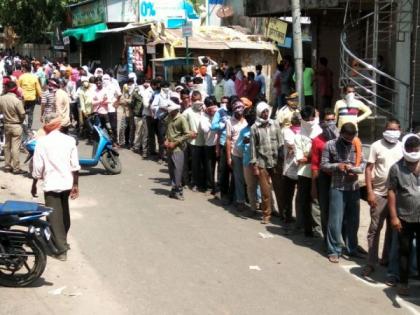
350,109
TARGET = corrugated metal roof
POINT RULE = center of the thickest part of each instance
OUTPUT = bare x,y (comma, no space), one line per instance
217,38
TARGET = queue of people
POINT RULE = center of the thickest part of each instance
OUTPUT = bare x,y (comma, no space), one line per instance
300,163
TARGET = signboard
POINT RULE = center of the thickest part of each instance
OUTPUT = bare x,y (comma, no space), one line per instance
122,11
172,12
89,13
276,30
187,29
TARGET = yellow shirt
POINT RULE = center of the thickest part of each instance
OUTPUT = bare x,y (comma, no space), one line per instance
30,86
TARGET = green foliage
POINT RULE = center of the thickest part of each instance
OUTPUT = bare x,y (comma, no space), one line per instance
31,19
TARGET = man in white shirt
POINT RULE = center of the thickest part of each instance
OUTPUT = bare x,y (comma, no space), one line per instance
383,154
56,162
114,94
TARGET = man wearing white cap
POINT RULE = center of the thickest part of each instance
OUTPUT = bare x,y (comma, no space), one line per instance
177,133
266,140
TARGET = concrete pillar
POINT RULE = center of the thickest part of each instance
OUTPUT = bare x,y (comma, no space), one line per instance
403,60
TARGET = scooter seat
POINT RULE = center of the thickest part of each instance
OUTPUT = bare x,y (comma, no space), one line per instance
12,207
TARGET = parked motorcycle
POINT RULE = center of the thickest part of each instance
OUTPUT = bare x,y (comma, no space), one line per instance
102,150
25,241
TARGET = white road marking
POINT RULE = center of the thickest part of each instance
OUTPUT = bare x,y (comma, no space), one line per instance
406,302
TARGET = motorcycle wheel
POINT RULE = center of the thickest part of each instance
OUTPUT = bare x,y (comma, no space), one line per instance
23,265
112,163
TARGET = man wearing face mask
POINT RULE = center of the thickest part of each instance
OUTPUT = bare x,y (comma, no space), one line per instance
350,109
404,204
234,127
310,129
383,154
85,100
266,140
285,113
339,158
321,181
159,108
193,116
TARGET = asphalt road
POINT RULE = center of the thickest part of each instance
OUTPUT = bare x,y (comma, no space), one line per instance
135,251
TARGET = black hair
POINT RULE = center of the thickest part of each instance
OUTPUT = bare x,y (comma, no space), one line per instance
393,121
210,101
198,80
326,112
307,112
412,143
184,92
165,84
175,100
349,129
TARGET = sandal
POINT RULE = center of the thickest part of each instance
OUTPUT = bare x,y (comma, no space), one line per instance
367,270
333,259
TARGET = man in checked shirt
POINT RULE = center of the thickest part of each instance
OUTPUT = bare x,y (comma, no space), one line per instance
339,158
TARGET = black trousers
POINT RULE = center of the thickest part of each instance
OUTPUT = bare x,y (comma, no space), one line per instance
408,233
29,109
186,174
113,122
289,194
226,182
210,163
198,166
305,207
59,219
151,135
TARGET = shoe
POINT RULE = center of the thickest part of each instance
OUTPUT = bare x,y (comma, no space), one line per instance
61,257
19,172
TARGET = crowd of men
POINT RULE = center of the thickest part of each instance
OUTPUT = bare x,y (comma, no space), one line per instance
221,136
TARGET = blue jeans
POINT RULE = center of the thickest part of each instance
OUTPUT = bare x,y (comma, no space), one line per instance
238,175
344,206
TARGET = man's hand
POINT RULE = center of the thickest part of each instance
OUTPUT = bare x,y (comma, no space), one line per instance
74,193
396,224
342,167
34,190
371,199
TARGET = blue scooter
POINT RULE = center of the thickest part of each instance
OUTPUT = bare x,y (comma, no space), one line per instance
25,241
102,149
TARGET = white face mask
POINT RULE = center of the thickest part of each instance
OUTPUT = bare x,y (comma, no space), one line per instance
412,157
350,97
391,136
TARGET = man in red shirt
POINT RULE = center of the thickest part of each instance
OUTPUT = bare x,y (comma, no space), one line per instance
252,88
321,181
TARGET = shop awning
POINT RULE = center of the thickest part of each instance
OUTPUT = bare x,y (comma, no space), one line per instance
126,29
86,33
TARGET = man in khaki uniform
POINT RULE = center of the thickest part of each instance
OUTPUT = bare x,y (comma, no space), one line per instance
14,115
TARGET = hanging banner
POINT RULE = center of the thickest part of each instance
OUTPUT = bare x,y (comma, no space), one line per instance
276,30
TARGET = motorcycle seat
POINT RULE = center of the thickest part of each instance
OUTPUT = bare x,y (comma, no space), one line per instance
22,208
